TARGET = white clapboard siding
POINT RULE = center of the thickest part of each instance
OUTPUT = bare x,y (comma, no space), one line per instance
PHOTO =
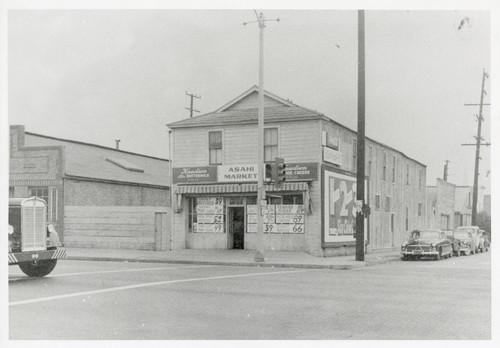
298,142
119,227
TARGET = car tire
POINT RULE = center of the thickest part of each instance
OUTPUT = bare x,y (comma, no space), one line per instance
38,269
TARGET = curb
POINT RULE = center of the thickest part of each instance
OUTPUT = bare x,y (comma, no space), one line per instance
235,263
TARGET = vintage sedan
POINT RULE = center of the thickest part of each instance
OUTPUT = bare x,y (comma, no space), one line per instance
467,241
476,234
429,242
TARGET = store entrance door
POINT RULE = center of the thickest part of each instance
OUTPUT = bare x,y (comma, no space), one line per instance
236,223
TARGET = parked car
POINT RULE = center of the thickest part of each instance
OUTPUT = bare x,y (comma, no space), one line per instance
426,243
474,230
455,243
467,241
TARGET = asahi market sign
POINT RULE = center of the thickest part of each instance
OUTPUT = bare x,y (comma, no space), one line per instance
194,174
237,173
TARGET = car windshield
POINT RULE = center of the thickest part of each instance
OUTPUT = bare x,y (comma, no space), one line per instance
429,234
461,234
471,230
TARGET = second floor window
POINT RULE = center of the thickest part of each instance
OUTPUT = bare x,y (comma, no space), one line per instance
270,144
215,147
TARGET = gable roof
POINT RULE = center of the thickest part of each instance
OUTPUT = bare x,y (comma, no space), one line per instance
244,110
83,160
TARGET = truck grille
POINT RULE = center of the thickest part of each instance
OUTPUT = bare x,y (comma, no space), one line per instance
34,234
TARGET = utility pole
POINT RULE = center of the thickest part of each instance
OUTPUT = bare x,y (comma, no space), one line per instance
261,193
360,179
191,108
478,145
445,174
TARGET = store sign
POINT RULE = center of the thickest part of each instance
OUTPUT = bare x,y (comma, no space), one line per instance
29,165
185,175
240,173
332,156
237,173
301,171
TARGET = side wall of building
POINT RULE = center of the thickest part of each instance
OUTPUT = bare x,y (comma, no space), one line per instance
396,187
111,215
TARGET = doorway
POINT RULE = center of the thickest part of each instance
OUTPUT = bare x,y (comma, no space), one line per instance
236,233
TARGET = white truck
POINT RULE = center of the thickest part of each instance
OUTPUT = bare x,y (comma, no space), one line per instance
33,245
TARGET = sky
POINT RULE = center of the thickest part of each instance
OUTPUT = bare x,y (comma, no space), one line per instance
99,75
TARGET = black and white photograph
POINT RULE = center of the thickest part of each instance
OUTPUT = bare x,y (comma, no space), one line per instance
263,174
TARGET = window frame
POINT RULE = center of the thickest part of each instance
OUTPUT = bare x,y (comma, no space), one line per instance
216,149
277,145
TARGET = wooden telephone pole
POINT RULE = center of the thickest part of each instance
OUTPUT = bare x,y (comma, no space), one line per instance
191,108
478,145
360,179
261,192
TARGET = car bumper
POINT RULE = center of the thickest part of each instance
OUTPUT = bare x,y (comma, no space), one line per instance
39,255
419,253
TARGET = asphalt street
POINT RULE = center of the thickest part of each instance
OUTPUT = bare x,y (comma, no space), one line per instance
447,299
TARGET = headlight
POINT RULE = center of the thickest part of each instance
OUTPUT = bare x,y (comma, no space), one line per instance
11,229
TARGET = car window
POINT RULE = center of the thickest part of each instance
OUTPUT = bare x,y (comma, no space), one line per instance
429,234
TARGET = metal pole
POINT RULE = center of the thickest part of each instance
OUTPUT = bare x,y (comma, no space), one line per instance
478,146
261,193
360,182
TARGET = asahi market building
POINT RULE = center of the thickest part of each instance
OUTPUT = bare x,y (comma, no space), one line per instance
215,182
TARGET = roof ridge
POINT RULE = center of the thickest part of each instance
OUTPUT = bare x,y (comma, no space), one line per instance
95,145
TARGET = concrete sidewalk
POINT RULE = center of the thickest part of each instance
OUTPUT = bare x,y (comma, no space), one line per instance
291,259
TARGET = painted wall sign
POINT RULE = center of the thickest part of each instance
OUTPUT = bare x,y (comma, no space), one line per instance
332,156
237,173
29,165
185,175
340,207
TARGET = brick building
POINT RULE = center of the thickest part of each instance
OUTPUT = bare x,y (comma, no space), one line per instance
215,174
97,196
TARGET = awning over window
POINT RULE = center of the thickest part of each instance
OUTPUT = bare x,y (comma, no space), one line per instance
238,188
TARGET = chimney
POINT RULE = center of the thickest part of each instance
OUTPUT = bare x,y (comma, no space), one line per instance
117,144
445,174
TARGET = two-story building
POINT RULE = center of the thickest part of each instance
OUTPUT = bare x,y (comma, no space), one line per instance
215,181
96,196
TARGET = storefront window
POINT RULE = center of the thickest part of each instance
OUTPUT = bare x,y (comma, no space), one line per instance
207,215
284,215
